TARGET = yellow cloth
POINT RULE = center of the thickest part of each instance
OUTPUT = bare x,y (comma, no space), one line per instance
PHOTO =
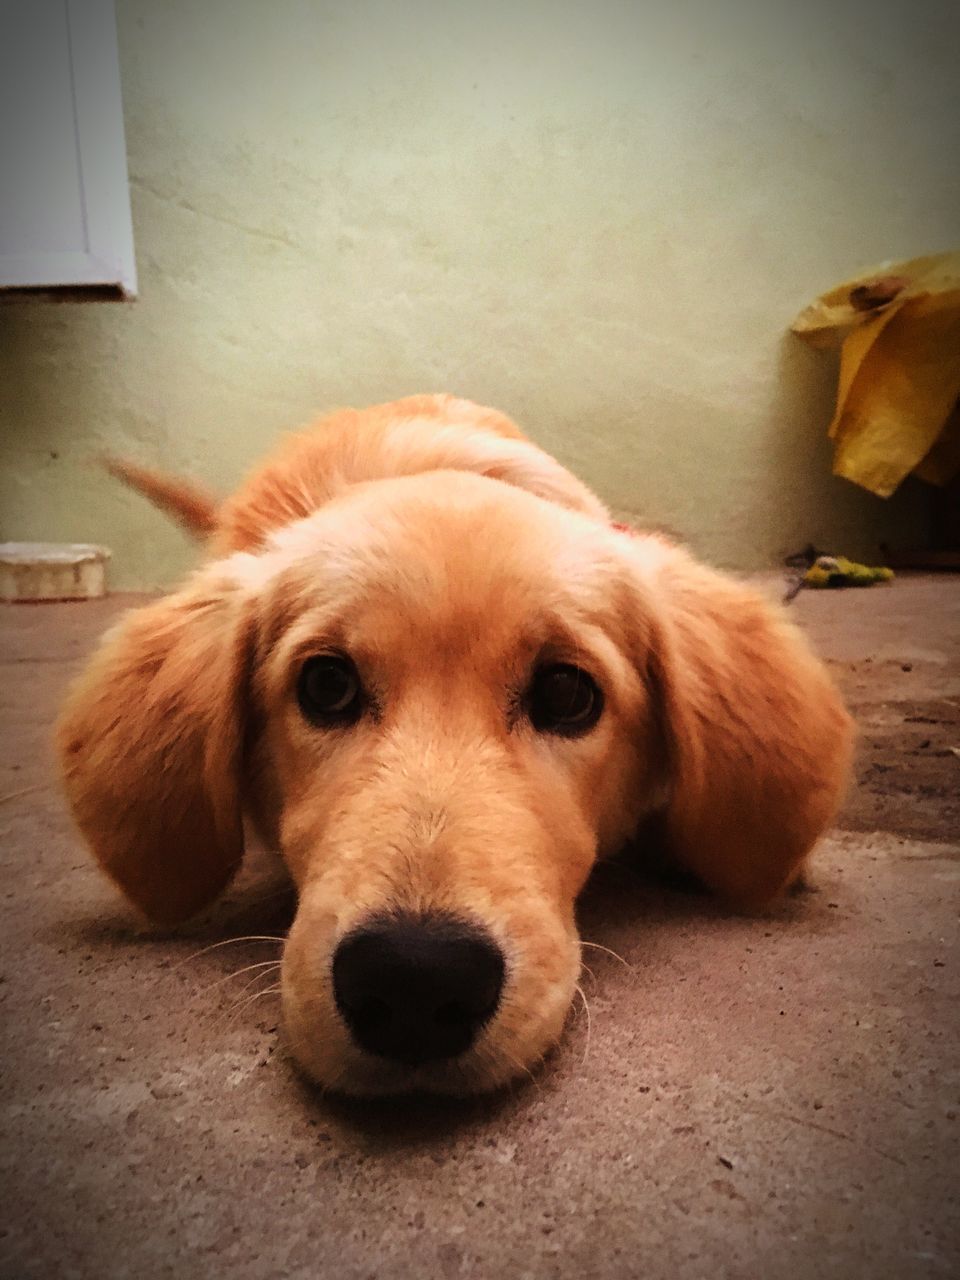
899,388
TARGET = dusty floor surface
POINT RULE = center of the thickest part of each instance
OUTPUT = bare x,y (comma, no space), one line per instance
757,1098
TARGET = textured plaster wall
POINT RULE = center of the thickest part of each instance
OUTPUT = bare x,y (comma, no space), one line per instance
598,217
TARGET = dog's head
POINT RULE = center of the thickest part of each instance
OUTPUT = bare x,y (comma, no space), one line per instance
443,698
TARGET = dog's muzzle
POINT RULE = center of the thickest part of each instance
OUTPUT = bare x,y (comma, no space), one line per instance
417,988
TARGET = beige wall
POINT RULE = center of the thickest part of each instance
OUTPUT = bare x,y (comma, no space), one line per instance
592,216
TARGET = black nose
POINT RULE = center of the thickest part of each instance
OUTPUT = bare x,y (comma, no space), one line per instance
417,988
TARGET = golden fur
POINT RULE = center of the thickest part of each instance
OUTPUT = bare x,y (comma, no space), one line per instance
447,556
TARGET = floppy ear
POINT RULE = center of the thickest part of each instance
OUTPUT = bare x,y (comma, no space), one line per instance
150,747
759,741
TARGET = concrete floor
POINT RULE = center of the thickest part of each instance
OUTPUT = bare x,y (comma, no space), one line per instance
758,1098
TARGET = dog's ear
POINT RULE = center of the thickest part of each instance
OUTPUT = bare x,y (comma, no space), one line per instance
150,744
758,740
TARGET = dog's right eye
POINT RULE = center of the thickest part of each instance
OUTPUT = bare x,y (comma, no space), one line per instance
564,700
329,690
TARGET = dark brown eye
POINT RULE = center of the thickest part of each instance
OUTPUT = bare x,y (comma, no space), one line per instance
329,690
563,699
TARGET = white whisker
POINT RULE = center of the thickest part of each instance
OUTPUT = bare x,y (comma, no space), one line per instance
227,942
598,947
238,1008
256,978
212,986
586,1009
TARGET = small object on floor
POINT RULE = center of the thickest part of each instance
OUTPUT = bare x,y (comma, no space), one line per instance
838,571
35,571
812,568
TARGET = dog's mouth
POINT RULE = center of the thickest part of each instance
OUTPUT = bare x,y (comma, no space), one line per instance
371,1076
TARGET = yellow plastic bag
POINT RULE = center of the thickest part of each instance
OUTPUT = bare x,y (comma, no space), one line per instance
899,385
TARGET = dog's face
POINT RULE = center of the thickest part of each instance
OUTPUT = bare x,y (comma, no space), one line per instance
455,717
443,698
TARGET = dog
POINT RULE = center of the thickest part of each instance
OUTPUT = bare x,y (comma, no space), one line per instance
425,664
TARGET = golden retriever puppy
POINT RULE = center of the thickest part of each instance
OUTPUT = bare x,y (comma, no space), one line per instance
435,676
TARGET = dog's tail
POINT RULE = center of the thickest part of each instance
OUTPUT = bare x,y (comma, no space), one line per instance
190,505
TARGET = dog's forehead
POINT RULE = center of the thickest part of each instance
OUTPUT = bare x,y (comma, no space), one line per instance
448,548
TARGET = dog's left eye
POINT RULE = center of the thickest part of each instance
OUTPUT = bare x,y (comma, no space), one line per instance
329,690
563,699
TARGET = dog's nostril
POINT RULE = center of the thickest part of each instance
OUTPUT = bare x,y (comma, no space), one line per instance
417,988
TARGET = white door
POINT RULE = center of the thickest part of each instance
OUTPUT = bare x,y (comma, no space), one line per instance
64,197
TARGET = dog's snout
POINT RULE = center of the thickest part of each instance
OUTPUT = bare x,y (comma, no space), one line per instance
417,988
